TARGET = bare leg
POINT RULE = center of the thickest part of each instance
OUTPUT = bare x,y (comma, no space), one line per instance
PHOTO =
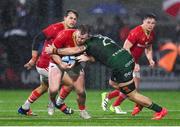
55,75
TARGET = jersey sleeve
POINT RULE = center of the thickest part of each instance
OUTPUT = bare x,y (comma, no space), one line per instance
60,40
52,30
38,40
133,36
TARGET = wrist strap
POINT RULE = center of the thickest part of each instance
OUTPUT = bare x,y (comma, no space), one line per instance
55,51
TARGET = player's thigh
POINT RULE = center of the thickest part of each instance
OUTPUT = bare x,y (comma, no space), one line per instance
43,72
76,71
113,84
78,75
67,80
122,76
55,75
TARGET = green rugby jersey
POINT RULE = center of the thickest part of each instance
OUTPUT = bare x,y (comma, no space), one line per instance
106,51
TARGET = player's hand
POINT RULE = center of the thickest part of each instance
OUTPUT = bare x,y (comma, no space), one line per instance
151,63
30,64
66,66
137,67
49,49
83,58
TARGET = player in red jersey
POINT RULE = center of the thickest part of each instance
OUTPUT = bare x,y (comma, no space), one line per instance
58,69
48,34
139,40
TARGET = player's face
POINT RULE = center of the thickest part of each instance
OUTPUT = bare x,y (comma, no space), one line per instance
70,20
80,39
149,24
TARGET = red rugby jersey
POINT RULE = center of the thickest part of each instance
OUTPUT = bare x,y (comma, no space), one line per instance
51,32
65,39
140,41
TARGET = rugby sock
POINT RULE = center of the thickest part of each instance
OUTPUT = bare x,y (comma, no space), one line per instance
139,106
113,94
155,107
64,92
81,107
59,101
119,99
26,105
34,96
81,101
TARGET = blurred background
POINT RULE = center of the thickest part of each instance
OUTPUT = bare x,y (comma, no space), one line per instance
21,20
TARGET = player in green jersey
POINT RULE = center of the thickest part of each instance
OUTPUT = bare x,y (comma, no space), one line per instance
106,51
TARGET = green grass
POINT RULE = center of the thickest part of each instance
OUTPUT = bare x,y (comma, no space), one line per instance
11,100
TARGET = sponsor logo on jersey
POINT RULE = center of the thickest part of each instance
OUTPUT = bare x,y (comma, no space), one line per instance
129,63
143,46
117,52
128,74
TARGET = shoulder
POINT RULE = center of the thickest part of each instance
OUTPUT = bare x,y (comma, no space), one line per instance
136,31
59,25
66,31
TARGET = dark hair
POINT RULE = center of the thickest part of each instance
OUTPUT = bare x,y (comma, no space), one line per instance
73,11
150,15
84,29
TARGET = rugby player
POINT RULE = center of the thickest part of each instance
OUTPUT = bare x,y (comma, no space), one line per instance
58,69
120,61
139,40
48,34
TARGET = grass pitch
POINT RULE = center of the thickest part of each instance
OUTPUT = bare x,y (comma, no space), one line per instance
10,100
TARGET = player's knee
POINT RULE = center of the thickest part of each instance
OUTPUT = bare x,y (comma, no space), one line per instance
79,90
82,94
42,89
44,86
53,90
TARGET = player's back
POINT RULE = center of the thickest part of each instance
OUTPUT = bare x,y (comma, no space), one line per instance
105,50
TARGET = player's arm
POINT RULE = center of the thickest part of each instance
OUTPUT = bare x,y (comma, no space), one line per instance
149,55
62,65
65,51
71,51
39,38
59,62
127,45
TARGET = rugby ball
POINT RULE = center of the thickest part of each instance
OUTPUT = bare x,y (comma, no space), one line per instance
69,59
